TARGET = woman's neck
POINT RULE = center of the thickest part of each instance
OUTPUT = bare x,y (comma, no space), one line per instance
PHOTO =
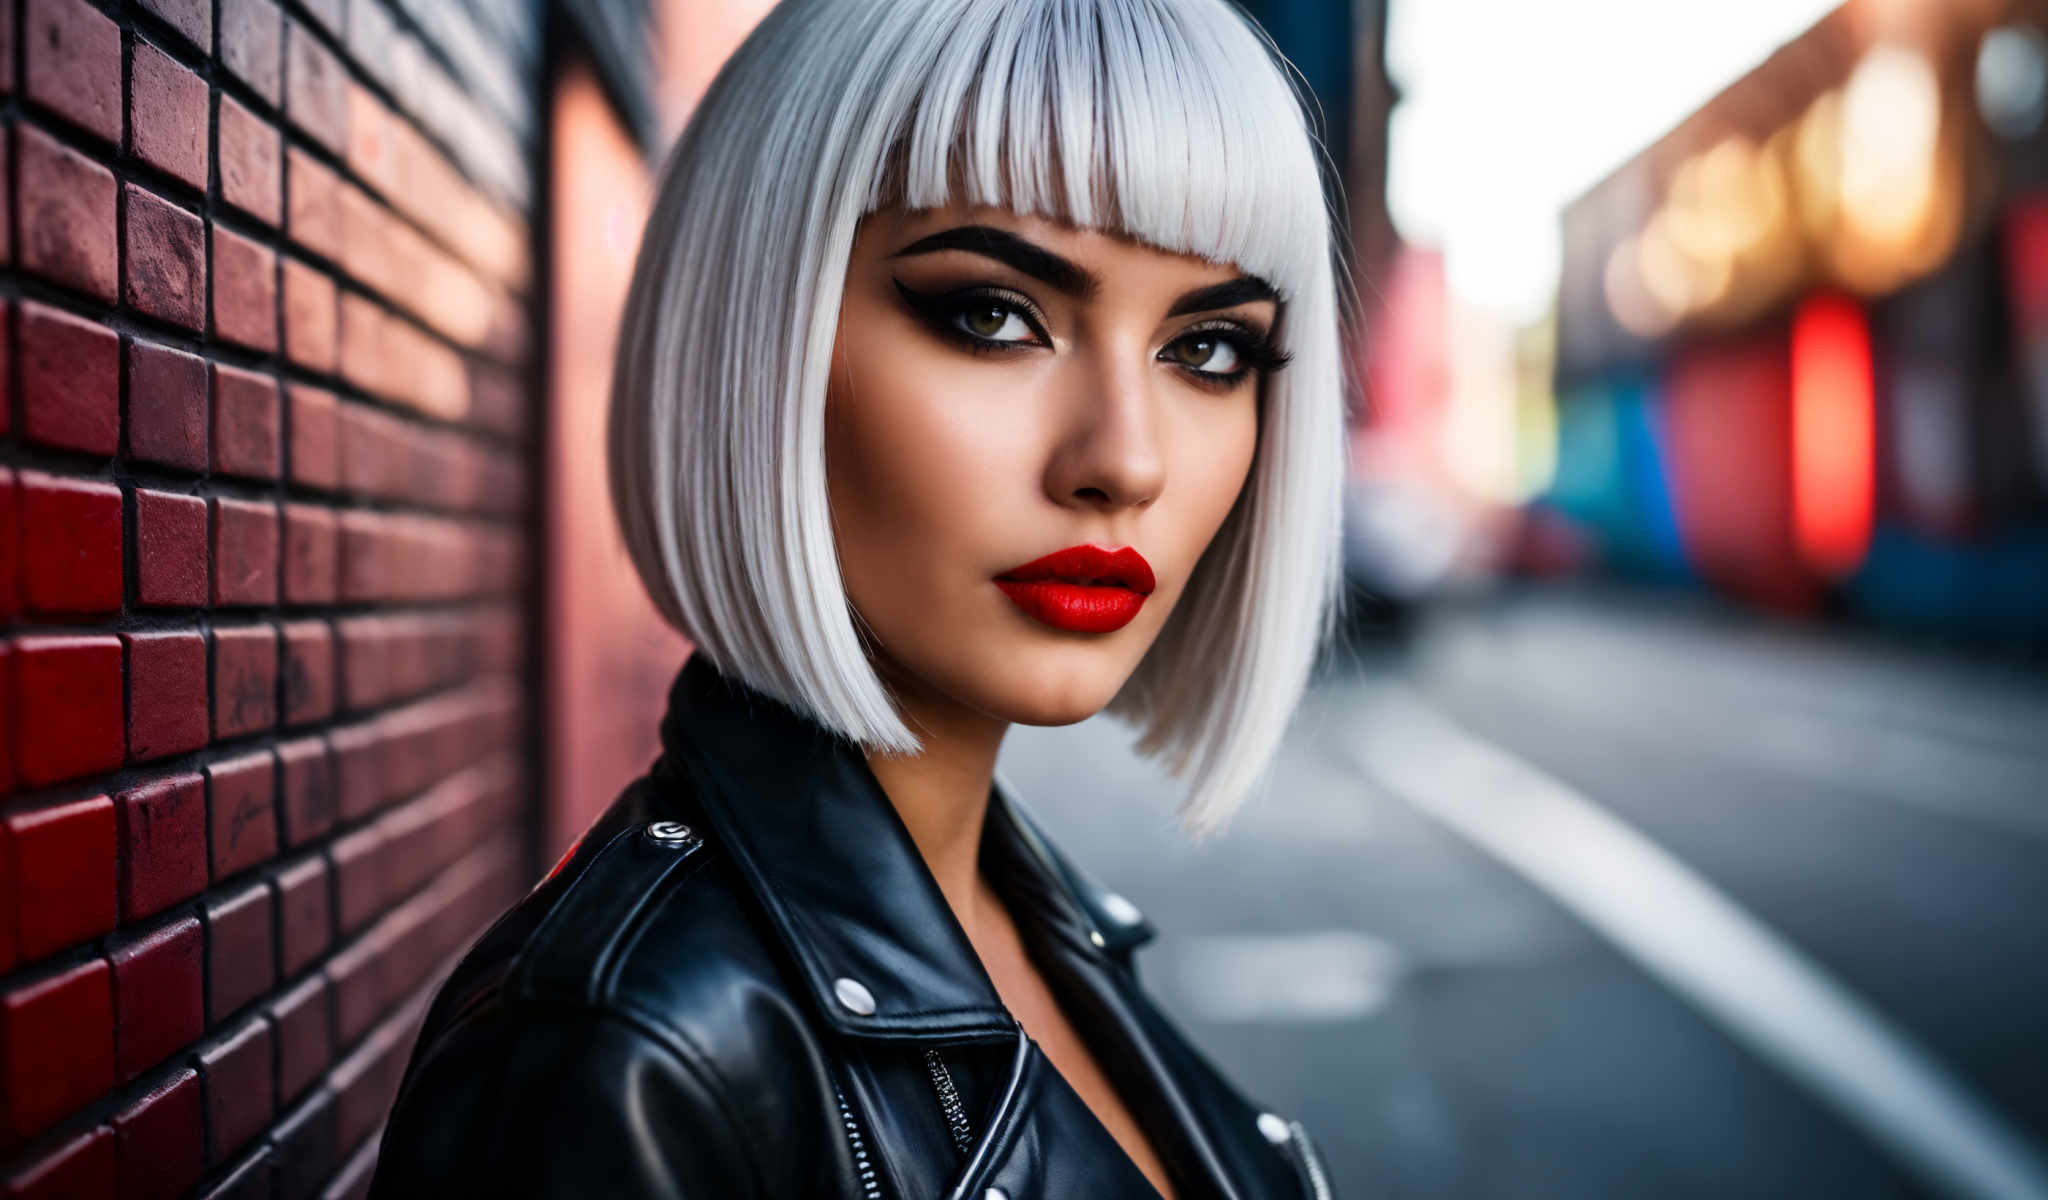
942,793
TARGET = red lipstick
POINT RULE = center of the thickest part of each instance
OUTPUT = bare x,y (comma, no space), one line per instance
1082,589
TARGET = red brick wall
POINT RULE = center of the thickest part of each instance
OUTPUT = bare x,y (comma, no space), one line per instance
264,570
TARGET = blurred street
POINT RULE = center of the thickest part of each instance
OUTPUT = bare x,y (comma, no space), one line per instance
1579,892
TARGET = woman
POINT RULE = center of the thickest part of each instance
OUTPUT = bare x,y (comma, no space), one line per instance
980,366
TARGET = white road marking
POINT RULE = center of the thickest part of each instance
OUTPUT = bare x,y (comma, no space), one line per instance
1703,945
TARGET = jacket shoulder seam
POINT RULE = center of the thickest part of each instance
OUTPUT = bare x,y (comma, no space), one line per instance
594,966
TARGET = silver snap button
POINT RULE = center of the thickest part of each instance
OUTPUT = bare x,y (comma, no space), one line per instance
671,831
856,998
1273,1127
1095,935
1120,910
995,1194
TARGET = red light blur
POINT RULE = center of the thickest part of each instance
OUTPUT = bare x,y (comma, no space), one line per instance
1834,434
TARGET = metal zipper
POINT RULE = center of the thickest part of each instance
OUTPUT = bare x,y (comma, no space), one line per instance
1308,1161
870,1183
949,1101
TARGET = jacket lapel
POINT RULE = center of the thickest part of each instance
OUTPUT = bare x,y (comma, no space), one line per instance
825,854
844,888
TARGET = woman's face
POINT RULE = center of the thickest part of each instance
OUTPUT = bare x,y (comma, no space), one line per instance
1006,388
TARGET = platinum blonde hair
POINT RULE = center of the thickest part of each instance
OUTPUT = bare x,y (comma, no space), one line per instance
1169,121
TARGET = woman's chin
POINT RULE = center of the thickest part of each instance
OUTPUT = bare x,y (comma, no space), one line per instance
1054,701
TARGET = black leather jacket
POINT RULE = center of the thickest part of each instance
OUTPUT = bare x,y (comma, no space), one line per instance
742,981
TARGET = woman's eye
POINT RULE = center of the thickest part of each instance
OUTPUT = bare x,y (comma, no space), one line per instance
993,322
1209,353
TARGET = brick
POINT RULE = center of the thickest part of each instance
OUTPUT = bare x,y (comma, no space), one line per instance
166,253
241,803
167,697
159,995
247,1178
65,204
159,1141
245,552
70,545
308,786
355,979
328,13
251,162
376,451
244,679
304,917
366,652
311,554
67,707
10,572
251,42
170,549
70,381
362,1087
192,19
83,1166
358,752
166,115
56,1047
244,291
162,827
7,703
308,675
167,404
370,251
316,89
373,42
361,345
497,400
248,423
365,558
315,457
358,877
64,875
306,1145
313,209
311,316
74,66
236,1071
373,153
305,1047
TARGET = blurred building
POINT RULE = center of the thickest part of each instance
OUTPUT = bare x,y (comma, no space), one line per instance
1800,339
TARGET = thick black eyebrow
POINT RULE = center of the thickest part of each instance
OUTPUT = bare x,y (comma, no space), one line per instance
1071,277
1228,294
1005,247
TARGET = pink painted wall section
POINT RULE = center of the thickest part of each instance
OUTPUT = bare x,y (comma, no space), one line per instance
610,657
694,38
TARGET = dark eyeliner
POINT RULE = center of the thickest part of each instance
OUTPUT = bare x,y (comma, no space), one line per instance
936,309
1259,349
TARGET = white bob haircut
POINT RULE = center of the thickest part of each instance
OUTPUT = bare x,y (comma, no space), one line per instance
1172,122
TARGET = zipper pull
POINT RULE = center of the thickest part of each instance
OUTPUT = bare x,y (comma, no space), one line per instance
949,1102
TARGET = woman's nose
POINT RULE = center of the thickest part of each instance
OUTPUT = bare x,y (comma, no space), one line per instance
1111,456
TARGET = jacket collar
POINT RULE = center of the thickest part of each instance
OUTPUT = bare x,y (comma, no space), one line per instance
842,883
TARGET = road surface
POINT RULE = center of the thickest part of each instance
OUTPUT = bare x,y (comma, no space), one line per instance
1585,894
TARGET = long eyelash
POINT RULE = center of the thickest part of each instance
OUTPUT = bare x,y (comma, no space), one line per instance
935,309
1259,348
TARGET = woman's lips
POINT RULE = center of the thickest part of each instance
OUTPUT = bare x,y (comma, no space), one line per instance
1081,589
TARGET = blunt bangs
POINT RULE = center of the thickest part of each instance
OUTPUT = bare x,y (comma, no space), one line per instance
1168,121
